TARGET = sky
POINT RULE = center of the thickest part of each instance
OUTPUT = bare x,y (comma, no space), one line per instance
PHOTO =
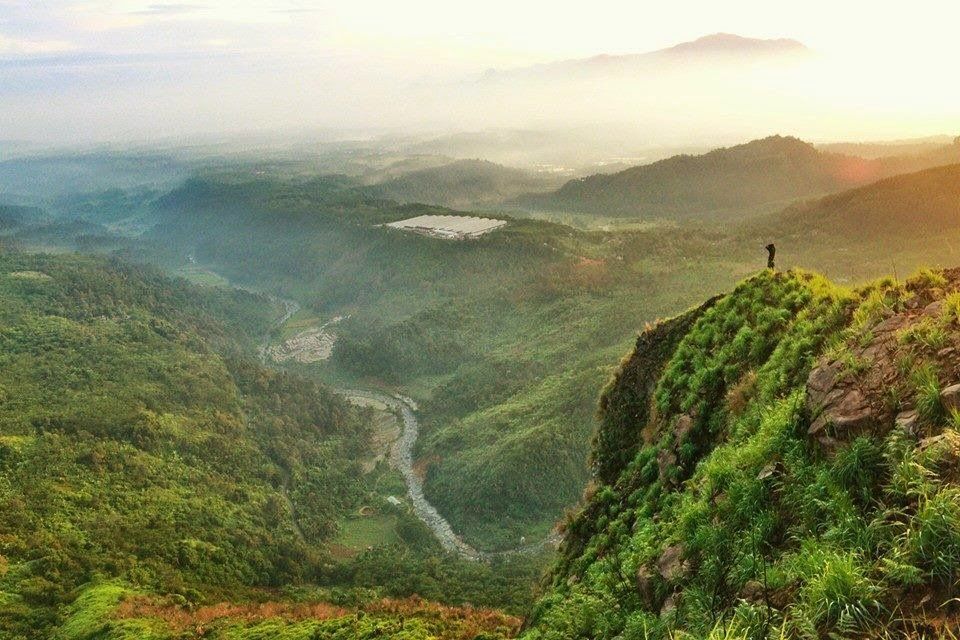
87,70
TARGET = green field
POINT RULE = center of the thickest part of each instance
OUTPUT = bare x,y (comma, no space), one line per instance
359,532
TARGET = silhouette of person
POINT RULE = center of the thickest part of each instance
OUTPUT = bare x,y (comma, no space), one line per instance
771,252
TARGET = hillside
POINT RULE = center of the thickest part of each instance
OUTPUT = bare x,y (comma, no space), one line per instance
733,182
152,471
12,217
503,340
778,462
135,444
465,183
924,204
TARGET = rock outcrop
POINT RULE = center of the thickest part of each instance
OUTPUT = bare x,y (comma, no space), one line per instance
865,391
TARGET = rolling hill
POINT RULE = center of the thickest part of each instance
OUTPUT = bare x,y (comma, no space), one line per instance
502,340
159,482
733,182
463,184
904,208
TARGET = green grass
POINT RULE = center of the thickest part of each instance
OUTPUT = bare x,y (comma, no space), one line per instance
360,532
201,276
302,320
779,538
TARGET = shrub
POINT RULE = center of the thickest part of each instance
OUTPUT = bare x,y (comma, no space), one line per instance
926,383
933,537
839,593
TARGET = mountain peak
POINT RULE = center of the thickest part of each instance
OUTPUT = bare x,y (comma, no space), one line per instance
730,43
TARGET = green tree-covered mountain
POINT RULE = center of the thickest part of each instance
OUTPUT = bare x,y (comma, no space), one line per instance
504,339
461,184
137,442
733,182
924,204
156,480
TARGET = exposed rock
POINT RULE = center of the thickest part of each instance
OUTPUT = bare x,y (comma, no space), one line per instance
950,397
671,564
928,443
666,458
822,380
682,427
669,605
645,583
943,451
934,308
908,421
890,325
752,591
847,412
770,470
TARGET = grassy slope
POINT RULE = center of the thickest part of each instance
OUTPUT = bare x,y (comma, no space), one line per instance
111,611
729,521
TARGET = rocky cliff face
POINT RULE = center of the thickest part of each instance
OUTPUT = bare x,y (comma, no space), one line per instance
782,461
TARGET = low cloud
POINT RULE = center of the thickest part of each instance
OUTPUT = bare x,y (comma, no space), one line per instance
25,47
171,9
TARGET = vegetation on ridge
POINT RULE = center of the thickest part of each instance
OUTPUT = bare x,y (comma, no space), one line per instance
736,517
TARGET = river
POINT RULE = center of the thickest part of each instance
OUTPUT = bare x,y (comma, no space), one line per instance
401,458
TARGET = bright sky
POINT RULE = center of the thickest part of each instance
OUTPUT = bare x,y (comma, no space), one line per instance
90,61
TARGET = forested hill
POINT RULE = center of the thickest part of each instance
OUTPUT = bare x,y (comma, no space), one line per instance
782,461
138,444
503,340
732,181
925,204
465,183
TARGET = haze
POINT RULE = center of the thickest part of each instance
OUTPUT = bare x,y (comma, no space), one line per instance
75,72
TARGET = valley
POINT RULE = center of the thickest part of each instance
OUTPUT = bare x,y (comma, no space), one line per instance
465,371
329,320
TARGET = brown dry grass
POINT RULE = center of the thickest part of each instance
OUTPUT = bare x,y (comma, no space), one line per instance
467,621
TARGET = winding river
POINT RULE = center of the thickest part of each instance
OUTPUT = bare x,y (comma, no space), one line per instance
401,458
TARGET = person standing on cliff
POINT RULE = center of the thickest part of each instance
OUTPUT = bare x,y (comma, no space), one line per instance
771,252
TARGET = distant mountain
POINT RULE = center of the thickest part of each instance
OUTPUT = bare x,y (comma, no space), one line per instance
718,47
735,181
886,148
37,179
463,183
12,216
732,44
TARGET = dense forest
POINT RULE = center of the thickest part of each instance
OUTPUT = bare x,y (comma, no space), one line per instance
504,339
146,452
465,183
